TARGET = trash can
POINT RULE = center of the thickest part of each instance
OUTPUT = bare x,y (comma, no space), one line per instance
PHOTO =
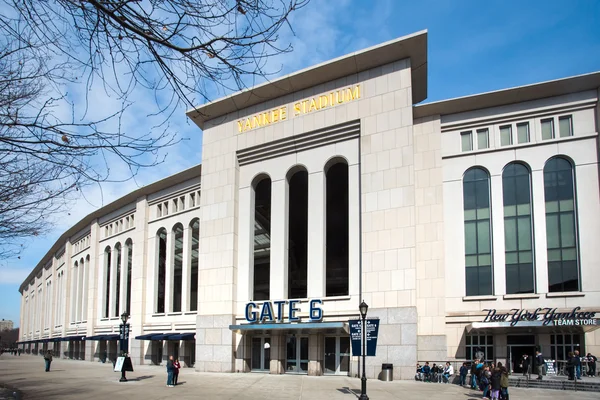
387,372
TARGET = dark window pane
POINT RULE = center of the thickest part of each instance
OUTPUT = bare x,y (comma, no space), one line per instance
337,233
262,239
298,235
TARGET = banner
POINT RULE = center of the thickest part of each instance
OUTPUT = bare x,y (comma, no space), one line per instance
372,331
355,336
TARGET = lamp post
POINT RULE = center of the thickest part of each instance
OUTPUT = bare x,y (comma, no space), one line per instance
364,307
124,342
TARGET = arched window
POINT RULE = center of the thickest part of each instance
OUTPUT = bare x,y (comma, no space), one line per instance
337,234
161,269
129,255
297,233
107,264
177,267
518,232
561,226
195,227
262,239
117,279
478,240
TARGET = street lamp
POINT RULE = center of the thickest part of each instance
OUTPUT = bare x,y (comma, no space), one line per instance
364,307
124,345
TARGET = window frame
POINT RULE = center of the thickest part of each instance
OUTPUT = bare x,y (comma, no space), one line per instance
466,134
526,125
510,135
568,117
552,128
486,131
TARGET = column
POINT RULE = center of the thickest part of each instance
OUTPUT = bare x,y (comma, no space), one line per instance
79,296
186,271
169,248
316,235
113,282
84,300
278,353
353,229
123,288
245,244
497,228
540,245
279,240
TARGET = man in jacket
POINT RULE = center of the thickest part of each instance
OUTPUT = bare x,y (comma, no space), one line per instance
591,364
525,364
577,363
539,362
48,359
170,372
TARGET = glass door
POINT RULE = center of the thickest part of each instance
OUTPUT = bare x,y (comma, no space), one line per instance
261,354
297,354
337,355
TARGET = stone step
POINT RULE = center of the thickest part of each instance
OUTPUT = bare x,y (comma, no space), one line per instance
582,386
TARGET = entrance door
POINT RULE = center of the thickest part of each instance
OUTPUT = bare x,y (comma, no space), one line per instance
261,354
337,355
518,345
297,354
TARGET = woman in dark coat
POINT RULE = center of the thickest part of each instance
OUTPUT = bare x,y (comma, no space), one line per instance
570,366
495,382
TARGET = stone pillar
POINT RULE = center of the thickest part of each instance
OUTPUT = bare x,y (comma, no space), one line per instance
316,235
186,268
316,353
279,243
278,353
170,248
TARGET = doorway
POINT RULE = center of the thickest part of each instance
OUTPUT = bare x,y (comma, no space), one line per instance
297,354
337,355
518,345
260,354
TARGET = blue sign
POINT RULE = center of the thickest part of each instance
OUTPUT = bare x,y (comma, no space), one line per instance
273,311
372,330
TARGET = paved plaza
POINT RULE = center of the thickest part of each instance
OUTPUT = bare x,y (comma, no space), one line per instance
70,379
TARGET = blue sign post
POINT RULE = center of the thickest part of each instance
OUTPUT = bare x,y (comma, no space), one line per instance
372,328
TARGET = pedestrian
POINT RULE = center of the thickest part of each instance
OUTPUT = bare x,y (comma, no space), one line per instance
463,374
170,372
486,376
495,383
474,374
591,364
503,382
571,366
448,372
539,361
176,371
577,360
426,372
525,361
48,360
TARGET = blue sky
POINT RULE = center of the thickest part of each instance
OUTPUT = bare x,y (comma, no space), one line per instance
474,46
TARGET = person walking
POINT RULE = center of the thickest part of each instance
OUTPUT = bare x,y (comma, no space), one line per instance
495,382
503,382
463,374
539,362
591,364
48,360
577,362
525,363
474,374
176,365
570,366
170,372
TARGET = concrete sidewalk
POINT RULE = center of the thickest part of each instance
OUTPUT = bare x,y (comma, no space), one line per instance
70,379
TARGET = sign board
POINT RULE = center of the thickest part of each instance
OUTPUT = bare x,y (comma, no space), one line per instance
275,311
545,316
550,367
123,364
124,337
372,331
119,364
